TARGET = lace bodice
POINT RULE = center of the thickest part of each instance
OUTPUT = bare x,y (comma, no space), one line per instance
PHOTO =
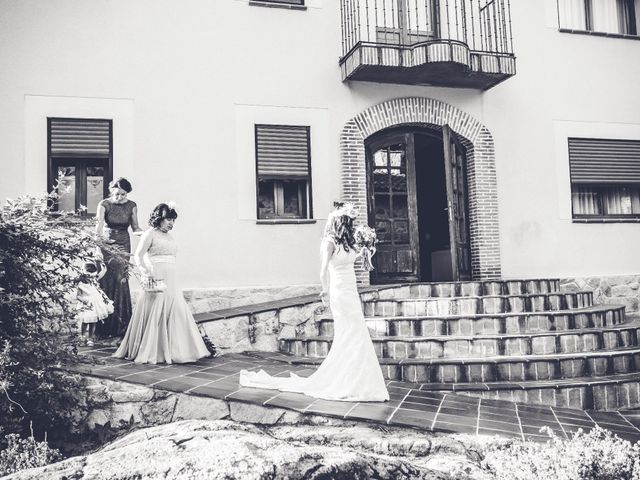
117,216
162,244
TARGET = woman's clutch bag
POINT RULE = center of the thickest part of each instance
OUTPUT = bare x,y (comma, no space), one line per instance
154,285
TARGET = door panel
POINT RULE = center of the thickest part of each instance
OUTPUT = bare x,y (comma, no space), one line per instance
455,171
392,207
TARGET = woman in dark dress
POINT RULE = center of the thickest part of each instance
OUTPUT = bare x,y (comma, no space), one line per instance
115,215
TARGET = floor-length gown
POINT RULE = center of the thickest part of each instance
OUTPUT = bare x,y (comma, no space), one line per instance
351,371
115,282
162,328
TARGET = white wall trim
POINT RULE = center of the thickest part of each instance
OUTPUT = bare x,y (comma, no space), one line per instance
38,107
563,129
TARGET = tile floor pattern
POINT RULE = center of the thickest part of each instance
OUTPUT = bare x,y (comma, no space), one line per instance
411,405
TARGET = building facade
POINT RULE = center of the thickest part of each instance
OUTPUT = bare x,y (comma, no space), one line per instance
482,139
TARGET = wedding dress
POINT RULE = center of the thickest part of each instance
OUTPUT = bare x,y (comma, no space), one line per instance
351,371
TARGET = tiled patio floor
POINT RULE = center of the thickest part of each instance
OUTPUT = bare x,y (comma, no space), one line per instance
410,405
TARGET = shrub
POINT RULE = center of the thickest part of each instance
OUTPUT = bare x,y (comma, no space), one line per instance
41,256
23,453
597,455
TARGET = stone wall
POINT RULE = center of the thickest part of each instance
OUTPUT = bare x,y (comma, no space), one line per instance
261,332
613,290
111,408
203,300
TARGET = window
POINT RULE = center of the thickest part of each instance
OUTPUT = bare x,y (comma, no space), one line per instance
602,16
605,178
80,154
283,165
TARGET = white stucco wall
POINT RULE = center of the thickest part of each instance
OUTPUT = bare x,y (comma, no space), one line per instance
566,85
185,82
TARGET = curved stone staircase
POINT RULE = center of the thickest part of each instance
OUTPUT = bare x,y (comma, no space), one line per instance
519,340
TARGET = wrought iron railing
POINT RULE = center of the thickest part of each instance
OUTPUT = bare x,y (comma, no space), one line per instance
483,25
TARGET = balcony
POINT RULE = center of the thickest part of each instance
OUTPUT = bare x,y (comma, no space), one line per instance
449,43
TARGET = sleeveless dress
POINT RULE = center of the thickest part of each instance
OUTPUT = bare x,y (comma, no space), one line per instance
115,282
162,329
351,371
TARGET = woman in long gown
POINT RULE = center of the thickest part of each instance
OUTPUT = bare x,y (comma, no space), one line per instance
162,328
351,371
115,215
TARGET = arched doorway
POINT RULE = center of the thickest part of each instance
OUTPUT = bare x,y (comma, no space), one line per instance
463,137
418,203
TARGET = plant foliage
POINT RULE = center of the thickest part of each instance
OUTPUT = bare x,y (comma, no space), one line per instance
42,257
596,455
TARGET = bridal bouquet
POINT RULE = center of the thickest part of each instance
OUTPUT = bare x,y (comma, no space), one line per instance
366,241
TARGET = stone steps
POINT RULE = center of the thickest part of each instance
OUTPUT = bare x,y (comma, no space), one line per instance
506,368
464,289
588,393
491,304
485,345
503,323
495,339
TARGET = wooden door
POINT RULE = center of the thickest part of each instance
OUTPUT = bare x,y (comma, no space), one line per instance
456,177
392,207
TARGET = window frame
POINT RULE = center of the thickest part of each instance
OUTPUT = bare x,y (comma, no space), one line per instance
602,176
80,161
599,188
280,178
631,22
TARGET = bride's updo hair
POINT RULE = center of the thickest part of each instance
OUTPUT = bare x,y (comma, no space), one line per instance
340,228
162,212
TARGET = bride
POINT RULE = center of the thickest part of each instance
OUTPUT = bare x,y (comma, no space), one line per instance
351,371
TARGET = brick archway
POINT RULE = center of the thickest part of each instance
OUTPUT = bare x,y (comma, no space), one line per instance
481,171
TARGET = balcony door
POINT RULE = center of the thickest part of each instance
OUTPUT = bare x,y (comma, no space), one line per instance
405,22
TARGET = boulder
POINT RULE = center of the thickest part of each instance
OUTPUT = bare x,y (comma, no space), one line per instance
227,450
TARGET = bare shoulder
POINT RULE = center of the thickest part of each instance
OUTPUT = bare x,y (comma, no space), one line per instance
328,245
148,234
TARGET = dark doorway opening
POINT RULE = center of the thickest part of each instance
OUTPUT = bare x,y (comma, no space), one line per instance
433,221
416,181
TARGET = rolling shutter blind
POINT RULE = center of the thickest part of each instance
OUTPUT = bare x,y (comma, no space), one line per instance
604,161
282,151
79,136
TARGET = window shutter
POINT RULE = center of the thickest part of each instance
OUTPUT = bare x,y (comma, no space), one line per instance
282,151
70,136
604,161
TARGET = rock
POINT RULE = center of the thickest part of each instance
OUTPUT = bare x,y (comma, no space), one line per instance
229,334
622,291
190,407
245,412
96,417
123,415
132,394
160,410
300,314
630,304
227,450
269,321
570,286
